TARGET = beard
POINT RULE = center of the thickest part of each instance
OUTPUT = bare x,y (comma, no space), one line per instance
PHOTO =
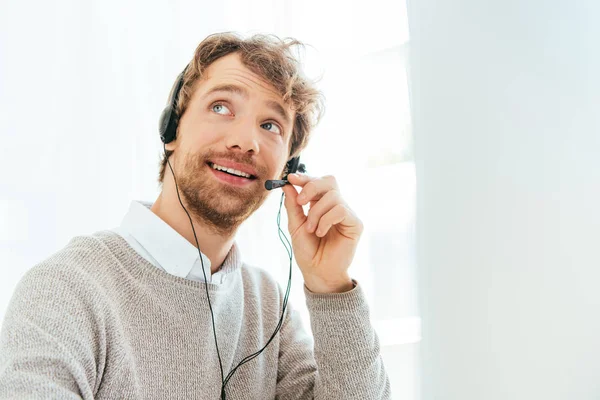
221,206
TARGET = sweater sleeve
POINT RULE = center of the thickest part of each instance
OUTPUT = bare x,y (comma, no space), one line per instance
46,343
345,361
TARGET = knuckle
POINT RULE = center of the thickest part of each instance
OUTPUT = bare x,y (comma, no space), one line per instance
310,186
333,195
313,218
322,224
341,208
330,179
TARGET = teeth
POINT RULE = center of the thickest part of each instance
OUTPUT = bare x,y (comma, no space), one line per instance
231,171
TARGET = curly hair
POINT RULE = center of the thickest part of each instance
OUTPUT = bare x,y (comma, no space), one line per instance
272,59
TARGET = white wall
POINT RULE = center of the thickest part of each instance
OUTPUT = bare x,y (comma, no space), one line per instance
506,102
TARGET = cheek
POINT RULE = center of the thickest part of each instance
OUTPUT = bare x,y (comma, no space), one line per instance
275,166
273,155
200,131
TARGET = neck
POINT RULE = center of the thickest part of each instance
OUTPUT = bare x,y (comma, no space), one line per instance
214,246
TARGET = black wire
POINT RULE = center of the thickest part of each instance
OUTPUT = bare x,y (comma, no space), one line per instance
290,252
285,300
212,316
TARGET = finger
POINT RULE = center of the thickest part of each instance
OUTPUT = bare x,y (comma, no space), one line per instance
316,188
335,216
300,179
343,218
320,208
295,212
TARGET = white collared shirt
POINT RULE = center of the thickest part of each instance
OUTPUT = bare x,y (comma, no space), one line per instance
163,246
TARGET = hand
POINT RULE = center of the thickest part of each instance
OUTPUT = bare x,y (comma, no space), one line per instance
325,240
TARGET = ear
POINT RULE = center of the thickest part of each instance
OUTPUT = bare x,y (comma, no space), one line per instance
171,146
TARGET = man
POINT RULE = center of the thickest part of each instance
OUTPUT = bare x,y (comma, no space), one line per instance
138,312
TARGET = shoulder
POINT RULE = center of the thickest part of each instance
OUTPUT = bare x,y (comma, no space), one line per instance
259,283
258,277
58,314
64,279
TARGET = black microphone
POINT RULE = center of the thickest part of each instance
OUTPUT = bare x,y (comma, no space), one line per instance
292,166
275,183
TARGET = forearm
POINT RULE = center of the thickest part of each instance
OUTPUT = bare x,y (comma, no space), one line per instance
346,347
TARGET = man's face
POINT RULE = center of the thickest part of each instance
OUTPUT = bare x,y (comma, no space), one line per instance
235,119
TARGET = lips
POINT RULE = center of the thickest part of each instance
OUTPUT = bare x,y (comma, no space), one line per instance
234,166
231,179
231,171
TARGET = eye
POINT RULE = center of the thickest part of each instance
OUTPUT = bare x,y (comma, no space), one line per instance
220,109
269,126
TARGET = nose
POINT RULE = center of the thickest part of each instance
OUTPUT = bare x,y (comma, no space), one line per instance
243,137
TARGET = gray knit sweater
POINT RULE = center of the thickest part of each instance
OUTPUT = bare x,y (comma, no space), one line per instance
98,321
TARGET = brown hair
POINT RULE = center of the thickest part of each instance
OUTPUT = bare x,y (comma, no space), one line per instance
272,59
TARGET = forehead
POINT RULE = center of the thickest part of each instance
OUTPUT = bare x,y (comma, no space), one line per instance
231,69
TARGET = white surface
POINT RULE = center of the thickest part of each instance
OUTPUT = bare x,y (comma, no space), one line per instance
506,100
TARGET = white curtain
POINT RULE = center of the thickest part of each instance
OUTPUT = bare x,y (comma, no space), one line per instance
82,84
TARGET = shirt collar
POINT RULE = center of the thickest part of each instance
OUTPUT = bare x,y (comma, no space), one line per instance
171,250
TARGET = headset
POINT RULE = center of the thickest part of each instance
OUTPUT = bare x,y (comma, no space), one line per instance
168,130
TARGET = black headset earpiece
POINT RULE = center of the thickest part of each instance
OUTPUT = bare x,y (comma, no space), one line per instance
167,126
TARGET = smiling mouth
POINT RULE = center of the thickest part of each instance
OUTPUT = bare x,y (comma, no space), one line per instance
231,171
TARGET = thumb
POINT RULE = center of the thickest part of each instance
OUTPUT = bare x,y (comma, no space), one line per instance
295,212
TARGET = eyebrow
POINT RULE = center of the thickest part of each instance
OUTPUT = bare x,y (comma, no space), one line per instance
241,91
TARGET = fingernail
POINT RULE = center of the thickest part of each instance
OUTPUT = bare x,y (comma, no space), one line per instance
293,175
308,226
301,196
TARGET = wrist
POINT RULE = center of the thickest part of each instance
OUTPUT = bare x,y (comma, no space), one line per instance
321,286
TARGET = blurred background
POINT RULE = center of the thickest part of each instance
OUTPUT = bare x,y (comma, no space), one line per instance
84,82
465,134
